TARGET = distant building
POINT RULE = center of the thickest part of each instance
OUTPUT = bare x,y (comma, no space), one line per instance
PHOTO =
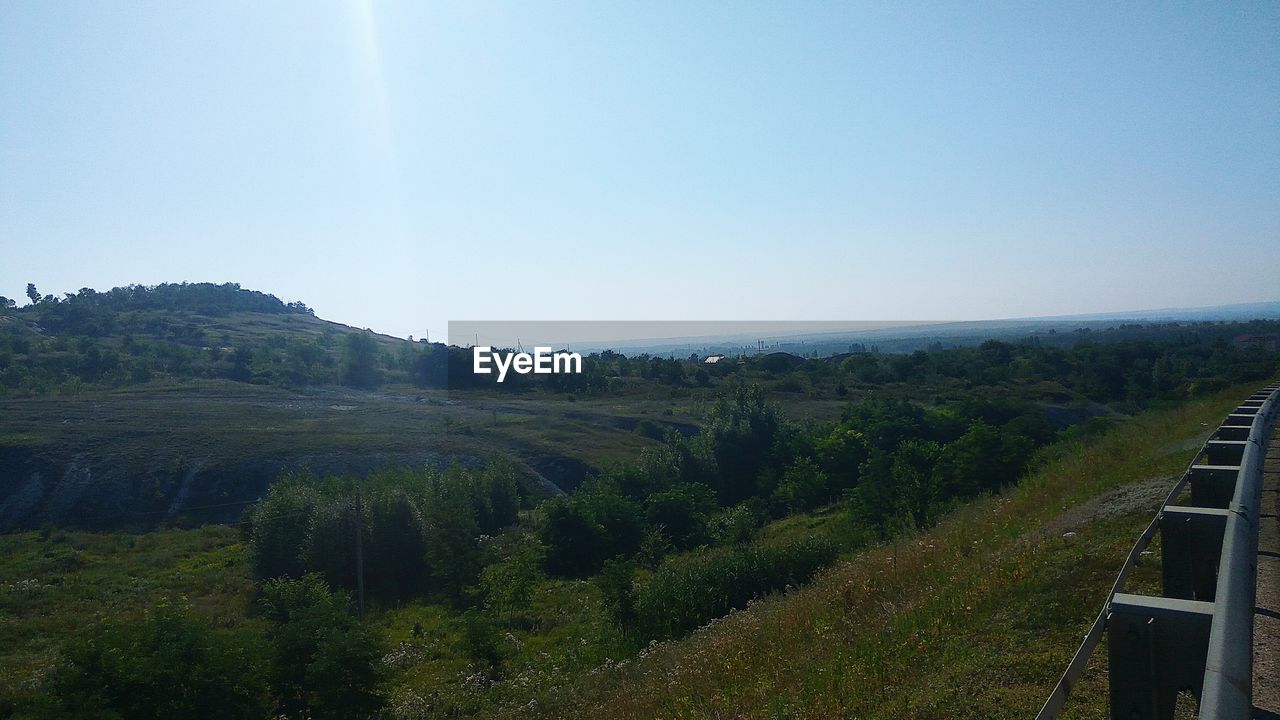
713,359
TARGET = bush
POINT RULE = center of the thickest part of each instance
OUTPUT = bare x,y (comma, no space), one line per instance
803,487
736,524
681,512
687,592
169,664
325,662
584,530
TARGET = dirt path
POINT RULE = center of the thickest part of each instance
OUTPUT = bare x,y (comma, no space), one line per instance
1266,618
1145,494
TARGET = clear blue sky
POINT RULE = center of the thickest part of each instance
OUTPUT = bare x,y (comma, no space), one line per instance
400,164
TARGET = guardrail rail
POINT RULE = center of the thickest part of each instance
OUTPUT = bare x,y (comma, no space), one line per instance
1198,635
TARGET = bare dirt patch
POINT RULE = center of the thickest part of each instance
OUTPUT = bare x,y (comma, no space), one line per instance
1145,494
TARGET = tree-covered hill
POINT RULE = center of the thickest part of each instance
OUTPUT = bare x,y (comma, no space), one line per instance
132,335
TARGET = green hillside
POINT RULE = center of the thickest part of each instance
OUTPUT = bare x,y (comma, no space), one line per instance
180,403
323,522
123,409
973,618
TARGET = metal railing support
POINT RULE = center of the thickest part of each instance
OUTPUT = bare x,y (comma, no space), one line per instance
1228,678
1199,635
1190,550
1212,486
1156,650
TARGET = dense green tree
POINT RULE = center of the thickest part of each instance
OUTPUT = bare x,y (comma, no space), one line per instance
429,365
168,664
278,527
915,479
973,463
804,486
325,663
395,548
330,546
681,512
508,584
582,531
452,532
875,505
743,434
419,528
360,361
495,495
840,453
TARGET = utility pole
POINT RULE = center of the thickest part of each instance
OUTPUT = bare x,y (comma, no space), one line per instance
360,553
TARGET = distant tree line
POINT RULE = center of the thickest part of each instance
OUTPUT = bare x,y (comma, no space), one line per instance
135,334
1174,363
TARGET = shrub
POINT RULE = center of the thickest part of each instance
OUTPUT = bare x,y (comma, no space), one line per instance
684,593
278,528
736,524
584,530
168,664
804,486
325,662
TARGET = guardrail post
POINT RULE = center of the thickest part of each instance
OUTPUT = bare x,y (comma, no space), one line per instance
1199,636
1157,649
1228,681
1224,452
1190,549
1213,485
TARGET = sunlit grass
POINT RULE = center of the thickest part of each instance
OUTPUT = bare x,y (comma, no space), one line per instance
55,583
976,618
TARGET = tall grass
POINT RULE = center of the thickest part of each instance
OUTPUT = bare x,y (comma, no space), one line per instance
975,618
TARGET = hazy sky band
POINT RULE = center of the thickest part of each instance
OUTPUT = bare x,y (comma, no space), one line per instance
397,164
618,334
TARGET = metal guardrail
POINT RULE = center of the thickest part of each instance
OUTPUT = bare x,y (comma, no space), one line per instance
1198,636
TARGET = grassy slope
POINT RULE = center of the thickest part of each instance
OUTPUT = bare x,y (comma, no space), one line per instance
224,420
147,436
53,584
142,443
974,619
